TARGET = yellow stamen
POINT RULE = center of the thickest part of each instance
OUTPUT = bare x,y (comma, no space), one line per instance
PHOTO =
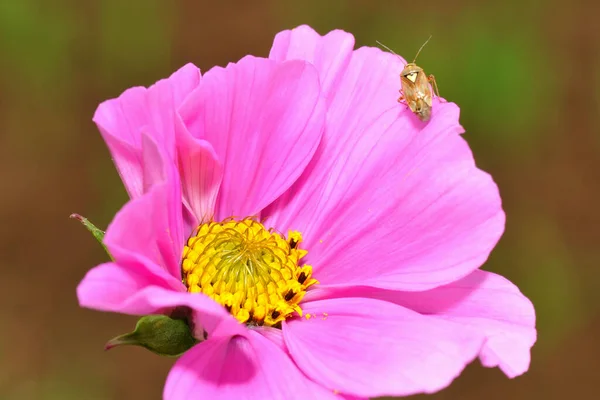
252,271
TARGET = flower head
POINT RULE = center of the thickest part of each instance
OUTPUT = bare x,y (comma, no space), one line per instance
326,242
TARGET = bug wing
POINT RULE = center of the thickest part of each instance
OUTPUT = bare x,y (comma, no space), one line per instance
409,90
422,85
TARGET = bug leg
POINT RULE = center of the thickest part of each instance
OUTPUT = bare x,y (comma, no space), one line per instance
434,84
401,98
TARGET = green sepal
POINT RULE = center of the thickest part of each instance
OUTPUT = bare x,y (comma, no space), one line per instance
96,232
160,334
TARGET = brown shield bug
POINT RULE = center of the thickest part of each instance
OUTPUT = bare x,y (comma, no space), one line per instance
416,86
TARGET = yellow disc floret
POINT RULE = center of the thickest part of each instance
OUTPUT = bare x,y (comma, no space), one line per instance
252,271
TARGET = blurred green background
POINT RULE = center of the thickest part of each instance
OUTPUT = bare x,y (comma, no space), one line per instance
525,73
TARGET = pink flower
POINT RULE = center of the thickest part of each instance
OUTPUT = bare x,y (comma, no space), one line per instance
394,216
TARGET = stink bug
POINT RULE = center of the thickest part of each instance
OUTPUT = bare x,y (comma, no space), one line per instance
416,90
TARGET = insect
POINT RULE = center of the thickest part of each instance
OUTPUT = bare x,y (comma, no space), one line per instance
416,90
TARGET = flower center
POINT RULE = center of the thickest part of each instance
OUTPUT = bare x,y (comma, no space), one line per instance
252,271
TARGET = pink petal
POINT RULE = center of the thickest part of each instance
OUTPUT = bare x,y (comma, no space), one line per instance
183,82
274,335
359,129
107,286
111,287
139,110
131,240
423,225
128,161
264,120
247,366
148,230
484,301
207,314
200,173
490,304
373,348
330,54
387,200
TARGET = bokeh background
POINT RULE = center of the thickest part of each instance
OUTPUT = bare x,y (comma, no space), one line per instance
525,73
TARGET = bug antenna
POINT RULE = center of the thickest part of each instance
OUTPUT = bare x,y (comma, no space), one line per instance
387,48
423,45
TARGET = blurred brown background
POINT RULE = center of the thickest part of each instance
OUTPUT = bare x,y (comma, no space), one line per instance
525,73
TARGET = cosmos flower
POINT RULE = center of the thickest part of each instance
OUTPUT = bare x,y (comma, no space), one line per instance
326,242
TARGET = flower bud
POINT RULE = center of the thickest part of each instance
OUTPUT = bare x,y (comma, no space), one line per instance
160,334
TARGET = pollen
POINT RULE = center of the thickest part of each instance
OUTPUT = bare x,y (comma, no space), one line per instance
256,273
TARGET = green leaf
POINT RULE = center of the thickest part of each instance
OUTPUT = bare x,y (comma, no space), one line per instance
96,232
160,334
